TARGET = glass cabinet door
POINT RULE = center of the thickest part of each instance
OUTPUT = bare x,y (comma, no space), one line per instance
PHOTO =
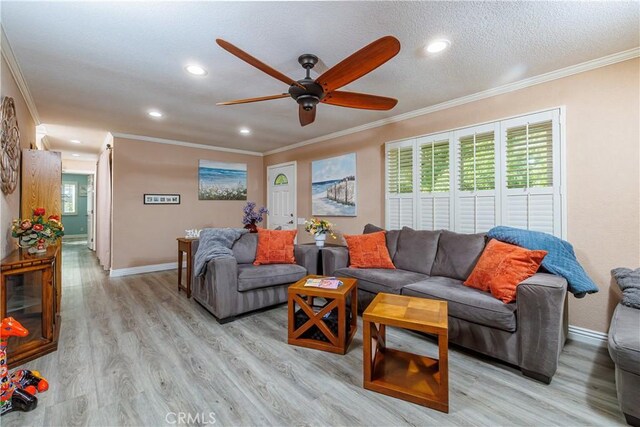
26,297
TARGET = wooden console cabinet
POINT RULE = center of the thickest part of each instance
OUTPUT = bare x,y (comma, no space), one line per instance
29,292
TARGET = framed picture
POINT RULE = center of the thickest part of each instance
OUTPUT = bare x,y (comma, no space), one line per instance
333,186
161,199
222,181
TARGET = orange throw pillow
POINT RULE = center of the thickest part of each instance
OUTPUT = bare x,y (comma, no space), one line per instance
369,250
502,267
275,247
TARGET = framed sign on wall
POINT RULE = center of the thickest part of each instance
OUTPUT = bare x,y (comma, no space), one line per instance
161,199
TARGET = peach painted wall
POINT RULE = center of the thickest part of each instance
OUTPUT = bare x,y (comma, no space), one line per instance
10,204
603,157
146,234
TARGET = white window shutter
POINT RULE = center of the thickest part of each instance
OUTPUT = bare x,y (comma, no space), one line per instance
470,180
399,183
476,177
434,182
531,185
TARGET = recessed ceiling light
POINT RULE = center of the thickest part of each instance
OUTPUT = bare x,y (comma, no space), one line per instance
76,141
245,131
76,155
438,45
156,114
196,70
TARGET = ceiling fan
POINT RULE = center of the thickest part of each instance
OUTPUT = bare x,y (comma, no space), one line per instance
308,92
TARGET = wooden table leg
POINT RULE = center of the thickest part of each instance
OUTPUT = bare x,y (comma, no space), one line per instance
188,279
179,269
443,369
366,355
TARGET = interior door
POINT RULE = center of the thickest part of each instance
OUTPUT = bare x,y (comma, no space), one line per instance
90,209
282,197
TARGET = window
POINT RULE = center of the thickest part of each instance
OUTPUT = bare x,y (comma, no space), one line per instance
281,179
69,198
400,184
434,210
471,179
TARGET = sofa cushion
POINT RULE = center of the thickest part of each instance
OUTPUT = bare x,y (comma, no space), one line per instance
466,303
275,247
391,237
416,250
457,254
244,249
262,276
379,279
368,250
624,338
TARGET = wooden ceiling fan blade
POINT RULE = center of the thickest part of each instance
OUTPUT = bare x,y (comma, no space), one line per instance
360,63
251,60
248,100
359,100
306,117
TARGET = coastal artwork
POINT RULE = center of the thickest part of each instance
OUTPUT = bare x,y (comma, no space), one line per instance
333,186
222,181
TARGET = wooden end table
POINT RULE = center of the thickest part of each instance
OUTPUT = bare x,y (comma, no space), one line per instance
184,247
315,324
418,379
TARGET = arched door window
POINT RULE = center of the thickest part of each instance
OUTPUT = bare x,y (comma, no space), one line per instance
281,179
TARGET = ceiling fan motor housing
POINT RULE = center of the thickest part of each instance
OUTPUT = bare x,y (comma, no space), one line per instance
309,96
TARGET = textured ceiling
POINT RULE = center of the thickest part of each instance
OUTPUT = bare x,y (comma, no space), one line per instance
101,66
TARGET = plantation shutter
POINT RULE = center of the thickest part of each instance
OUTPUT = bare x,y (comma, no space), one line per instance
476,195
399,171
531,187
434,176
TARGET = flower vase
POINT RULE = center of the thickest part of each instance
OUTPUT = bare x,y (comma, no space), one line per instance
253,228
320,239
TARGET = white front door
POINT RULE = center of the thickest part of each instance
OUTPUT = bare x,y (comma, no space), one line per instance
281,200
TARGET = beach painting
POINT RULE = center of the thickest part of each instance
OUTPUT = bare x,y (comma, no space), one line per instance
333,186
222,181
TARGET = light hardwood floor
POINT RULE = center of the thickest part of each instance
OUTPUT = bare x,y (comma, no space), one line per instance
133,350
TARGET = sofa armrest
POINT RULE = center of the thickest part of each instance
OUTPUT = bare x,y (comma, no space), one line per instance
334,258
218,289
542,323
307,256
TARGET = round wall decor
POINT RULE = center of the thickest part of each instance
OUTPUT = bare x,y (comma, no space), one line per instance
10,146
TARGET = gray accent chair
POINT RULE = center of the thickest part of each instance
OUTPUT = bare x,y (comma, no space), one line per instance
233,286
529,333
624,348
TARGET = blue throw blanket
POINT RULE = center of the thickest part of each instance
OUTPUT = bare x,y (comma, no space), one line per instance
215,243
560,259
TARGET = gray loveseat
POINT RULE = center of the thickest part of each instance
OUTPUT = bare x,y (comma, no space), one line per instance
624,348
528,333
233,286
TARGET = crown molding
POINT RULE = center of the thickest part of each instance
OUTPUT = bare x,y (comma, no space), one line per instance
185,144
510,87
16,72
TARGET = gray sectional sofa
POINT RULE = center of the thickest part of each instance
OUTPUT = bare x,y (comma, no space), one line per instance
233,286
624,348
528,333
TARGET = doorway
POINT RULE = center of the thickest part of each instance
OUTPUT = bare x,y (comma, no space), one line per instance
282,196
78,208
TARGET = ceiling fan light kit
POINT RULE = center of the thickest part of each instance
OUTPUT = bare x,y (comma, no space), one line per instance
308,93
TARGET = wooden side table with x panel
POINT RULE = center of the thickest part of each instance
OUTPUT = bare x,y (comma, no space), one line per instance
184,247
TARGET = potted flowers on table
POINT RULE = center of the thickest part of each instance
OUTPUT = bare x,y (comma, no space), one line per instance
36,233
319,228
251,218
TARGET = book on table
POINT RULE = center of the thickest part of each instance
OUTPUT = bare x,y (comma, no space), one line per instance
325,283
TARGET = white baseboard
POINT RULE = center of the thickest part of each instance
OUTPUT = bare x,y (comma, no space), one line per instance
120,272
587,336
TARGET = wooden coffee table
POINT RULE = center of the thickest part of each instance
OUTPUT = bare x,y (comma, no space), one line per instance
313,330
418,379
